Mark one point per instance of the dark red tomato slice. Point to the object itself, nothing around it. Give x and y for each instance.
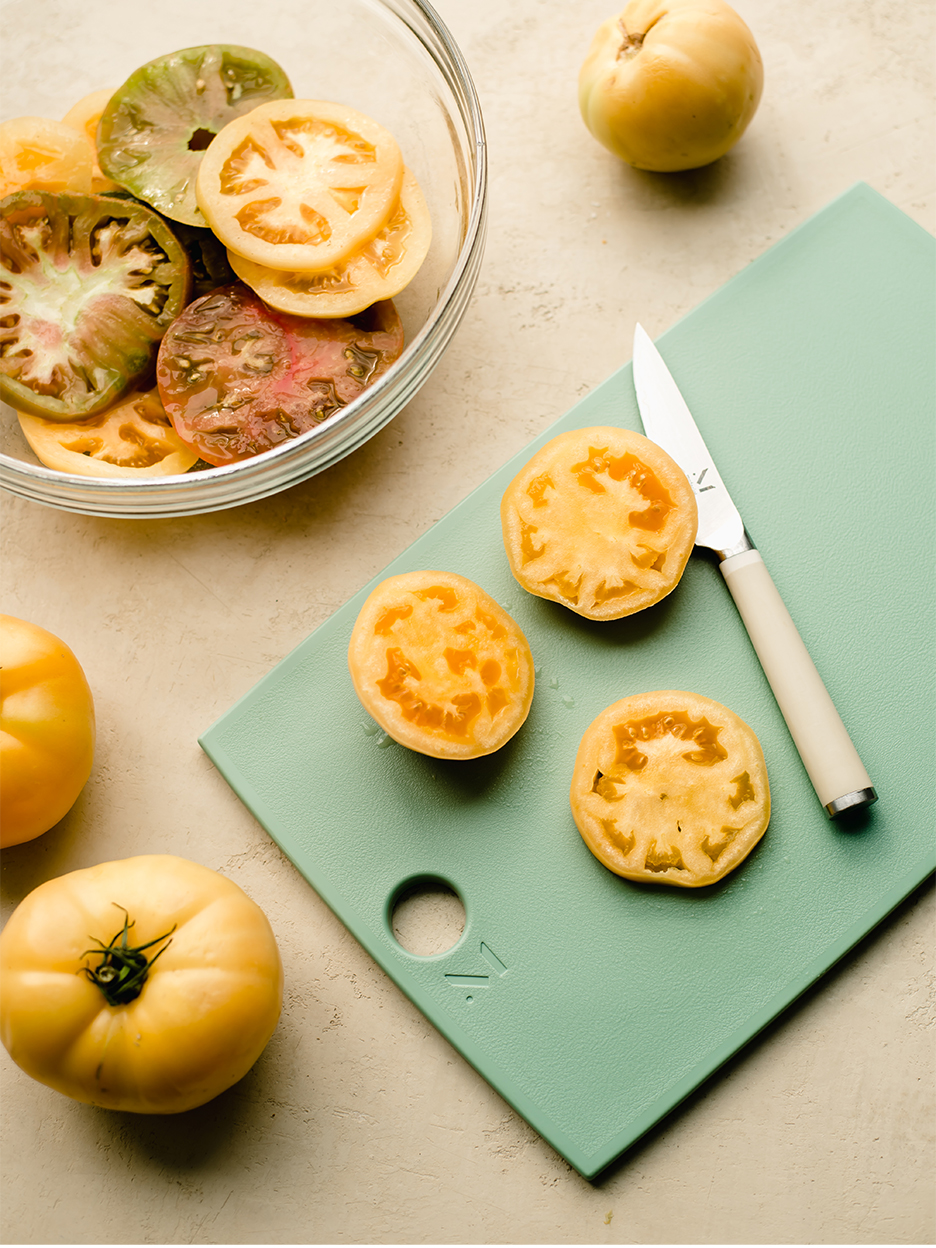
(88, 286)
(237, 378)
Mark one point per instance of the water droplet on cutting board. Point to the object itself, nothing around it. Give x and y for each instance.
(568, 700)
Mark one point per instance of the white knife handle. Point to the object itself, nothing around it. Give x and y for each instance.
(836, 771)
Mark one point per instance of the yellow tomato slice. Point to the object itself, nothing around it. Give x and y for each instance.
(299, 184)
(378, 270)
(440, 666)
(670, 788)
(601, 520)
(37, 154)
(135, 438)
(84, 117)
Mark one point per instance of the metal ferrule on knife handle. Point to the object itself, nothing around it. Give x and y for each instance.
(831, 760)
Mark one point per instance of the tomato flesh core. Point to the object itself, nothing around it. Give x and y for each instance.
(237, 378)
(88, 286)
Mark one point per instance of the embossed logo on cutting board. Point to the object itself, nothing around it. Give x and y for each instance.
(471, 983)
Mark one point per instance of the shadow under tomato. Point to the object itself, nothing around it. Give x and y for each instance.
(627, 631)
(687, 188)
(26, 866)
(471, 779)
(195, 1139)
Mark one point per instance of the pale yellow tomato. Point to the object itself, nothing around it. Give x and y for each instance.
(440, 665)
(37, 154)
(671, 84)
(670, 787)
(377, 270)
(84, 117)
(135, 438)
(601, 520)
(149, 984)
(299, 184)
(47, 730)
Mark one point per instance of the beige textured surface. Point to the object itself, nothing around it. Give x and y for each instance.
(359, 1124)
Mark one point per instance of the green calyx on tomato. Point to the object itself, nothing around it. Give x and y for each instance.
(155, 129)
(124, 968)
(88, 286)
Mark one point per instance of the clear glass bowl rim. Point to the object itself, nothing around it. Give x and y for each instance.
(234, 485)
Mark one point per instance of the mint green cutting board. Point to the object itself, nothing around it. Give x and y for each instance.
(592, 1004)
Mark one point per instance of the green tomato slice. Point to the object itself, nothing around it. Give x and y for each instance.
(88, 286)
(153, 133)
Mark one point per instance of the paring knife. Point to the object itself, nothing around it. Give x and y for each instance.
(830, 758)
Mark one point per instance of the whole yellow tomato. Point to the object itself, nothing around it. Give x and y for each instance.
(149, 984)
(671, 84)
(46, 730)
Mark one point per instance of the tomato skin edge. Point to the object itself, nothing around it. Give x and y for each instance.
(83, 214)
(176, 1046)
(46, 756)
(229, 410)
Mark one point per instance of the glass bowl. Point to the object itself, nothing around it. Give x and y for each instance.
(391, 59)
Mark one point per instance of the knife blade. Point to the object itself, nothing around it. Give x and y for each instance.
(821, 739)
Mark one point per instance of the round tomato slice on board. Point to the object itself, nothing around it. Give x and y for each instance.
(299, 184)
(155, 129)
(378, 270)
(88, 286)
(238, 378)
(133, 439)
(670, 788)
(440, 665)
(601, 520)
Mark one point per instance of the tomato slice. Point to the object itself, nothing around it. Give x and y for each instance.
(88, 286)
(601, 520)
(238, 378)
(440, 665)
(43, 155)
(670, 787)
(135, 438)
(378, 270)
(207, 256)
(299, 184)
(154, 131)
(84, 117)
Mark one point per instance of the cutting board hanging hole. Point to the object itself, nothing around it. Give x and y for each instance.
(427, 916)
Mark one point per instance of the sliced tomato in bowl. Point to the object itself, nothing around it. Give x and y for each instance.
(238, 378)
(379, 269)
(88, 286)
(133, 439)
(38, 154)
(156, 127)
(299, 184)
(84, 117)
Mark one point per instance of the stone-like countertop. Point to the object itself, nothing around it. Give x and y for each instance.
(360, 1124)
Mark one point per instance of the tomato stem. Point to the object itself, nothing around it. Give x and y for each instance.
(630, 44)
(124, 968)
